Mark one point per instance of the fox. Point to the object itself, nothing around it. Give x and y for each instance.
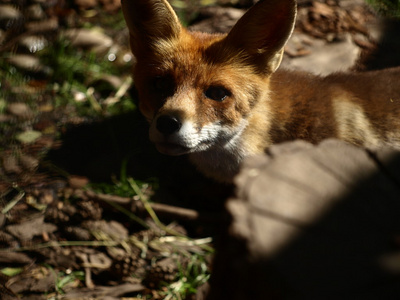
(219, 98)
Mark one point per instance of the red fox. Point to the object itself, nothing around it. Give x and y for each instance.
(220, 98)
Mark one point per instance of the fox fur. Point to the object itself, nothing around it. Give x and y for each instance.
(220, 97)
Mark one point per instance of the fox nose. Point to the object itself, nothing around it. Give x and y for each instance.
(168, 124)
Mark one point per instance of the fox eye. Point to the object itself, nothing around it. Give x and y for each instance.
(162, 83)
(217, 93)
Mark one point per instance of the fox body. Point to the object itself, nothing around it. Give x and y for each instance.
(220, 98)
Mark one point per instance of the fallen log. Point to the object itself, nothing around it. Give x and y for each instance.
(312, 222)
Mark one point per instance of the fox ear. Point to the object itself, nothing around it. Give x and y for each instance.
(150, 22)
(263, 31)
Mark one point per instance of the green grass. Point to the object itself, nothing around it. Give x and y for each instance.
(190, 276)
(69, 89)
(123, 186)
(188, 279)
(74, 88)
(63, 280)
(389, 8)
(74, 73)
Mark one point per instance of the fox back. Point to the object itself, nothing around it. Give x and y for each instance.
(220, 97)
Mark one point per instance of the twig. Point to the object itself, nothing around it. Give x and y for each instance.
(173, 212)
(128, 213)
(147, 205)
(13, 202)
(106, 197)
(92, 100)
(153, 209)
(63, 244)
(120, 93)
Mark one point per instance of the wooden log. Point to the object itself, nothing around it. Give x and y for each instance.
(312, 222)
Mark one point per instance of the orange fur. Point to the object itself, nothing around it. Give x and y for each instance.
(219, 98)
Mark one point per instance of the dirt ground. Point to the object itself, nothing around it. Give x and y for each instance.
(64, 234)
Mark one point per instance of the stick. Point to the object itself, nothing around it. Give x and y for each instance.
(165, 210)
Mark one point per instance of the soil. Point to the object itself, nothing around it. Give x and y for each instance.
(60, 239)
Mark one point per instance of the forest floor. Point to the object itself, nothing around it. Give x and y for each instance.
(88, 208)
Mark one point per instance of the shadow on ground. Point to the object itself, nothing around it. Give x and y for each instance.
(99, 150)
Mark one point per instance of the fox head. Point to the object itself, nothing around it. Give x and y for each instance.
(198, 90)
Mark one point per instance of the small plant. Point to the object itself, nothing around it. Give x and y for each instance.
(122, 186)
(67, 279)
(189, 278)
(73, 73)
(11, 272)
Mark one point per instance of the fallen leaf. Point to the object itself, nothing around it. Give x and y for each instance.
(28, 136)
